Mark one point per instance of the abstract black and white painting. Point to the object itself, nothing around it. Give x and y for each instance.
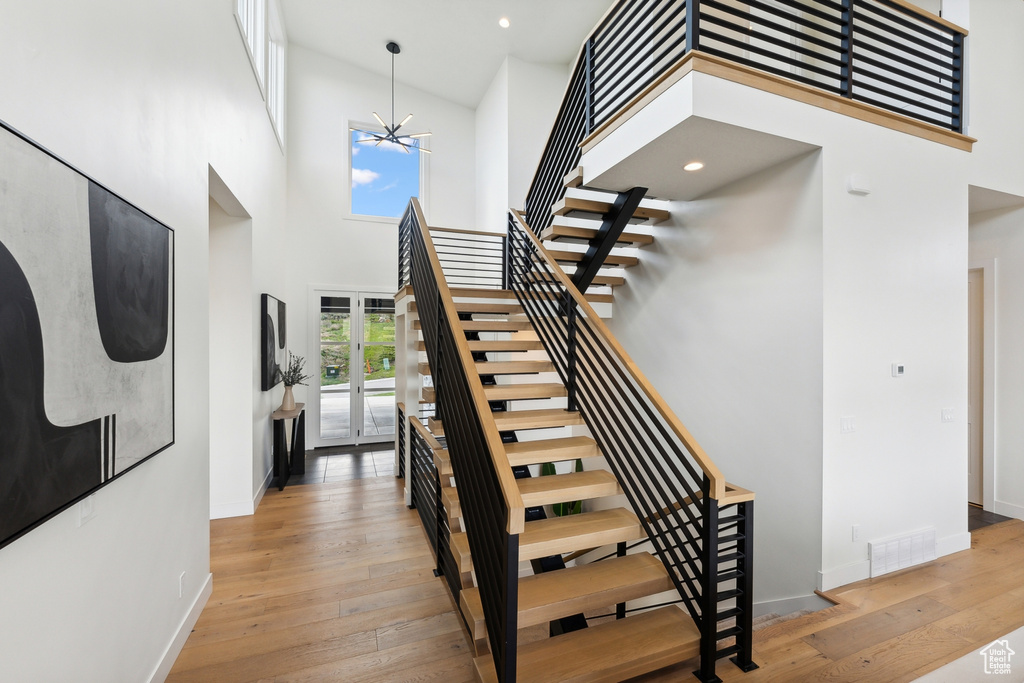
(86, 336)
(273, 341)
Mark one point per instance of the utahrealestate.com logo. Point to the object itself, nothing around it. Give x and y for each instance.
(997, 657)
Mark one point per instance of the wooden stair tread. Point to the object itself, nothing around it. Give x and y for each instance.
(450, 500)
(565, 232)
(609, 280)
(574, 590)
(561, 488)
(443, 463)
(607, 653)
(524, 392)
(536, 419)
(473, 293)
(551, 450)
(567, 205)
(497, 346)
(576, 256)
(514, 367)
(460, 551)
(494, 325)
(557, 535)
(477, 307)
(573, 178)
(512, 420)
(504, 367)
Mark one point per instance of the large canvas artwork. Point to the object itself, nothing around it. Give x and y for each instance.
(273, 341)
(86, 336)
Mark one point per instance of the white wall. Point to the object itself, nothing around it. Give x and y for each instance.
(111, 87)
(492, 154)
(326, 246)
(995, 109)
(232, 360)
(535, 93)
(998, 237)
(513, 121)
(893, 290)
(727, 302)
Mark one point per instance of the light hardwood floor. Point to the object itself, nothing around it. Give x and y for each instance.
(326, 582)
(333, 582)
(897, 627)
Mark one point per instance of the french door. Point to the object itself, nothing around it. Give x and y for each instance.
(353, 399)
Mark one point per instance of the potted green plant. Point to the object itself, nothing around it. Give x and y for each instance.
(291, 376)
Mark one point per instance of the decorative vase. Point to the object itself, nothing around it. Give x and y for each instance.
(288, 403)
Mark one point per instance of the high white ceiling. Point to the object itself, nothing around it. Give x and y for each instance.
(450, 48)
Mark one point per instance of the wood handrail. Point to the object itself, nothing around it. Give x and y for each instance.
(462, 231)
(509, 489)
(431, 440)
(709, 468)
(925, 14)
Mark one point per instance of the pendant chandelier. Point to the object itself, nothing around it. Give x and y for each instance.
(406, 141)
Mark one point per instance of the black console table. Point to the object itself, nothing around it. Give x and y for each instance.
(285, 463)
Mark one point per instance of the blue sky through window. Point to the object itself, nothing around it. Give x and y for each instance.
(384, 177)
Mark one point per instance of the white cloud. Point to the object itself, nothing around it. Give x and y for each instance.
(355, 150)
(363, 176)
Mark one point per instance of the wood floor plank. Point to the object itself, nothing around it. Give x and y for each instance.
(326, 578)
(842, 640)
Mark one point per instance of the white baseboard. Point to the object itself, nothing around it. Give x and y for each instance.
(789, 605)
(953, 544)
(858, 571)
(258, 497)
(242, 508)
(841, 576)
(163, 668)
(224, 510)
(1008, 509)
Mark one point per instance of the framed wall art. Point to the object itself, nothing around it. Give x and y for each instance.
(86, 335)
(273, 341)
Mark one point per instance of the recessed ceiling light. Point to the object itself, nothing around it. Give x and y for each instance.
(693, 166)
(504, 22)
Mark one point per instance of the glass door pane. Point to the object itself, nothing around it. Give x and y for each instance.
(336, 367)
(378, 368)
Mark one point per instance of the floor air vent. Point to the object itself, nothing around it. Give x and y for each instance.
(899, 553)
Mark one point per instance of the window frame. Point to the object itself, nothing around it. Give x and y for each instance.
(424, 164)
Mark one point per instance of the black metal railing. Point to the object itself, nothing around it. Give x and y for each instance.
(468, 258)
(879, 52)
(425, 485)
(400, 421)
(492, 508)
(669, 481)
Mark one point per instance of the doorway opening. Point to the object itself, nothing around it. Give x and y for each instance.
(353, 393)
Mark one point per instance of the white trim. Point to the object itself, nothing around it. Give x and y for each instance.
(988, 418)
(258, 496)
(241, 508)
(170, 655)
(789, 605)
(424, 190)
(842, 576)
(1008, 509)
(858, 571)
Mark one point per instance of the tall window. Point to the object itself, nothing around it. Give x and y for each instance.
(265, 39)
(384, 176)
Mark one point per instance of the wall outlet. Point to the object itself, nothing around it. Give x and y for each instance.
(847, 425)
(181, 585)
(898, 369)
(855, 536)
(947, 414)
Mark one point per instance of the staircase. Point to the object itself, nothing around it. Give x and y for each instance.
(521, 410)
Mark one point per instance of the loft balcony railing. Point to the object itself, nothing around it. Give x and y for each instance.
(884, 53)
